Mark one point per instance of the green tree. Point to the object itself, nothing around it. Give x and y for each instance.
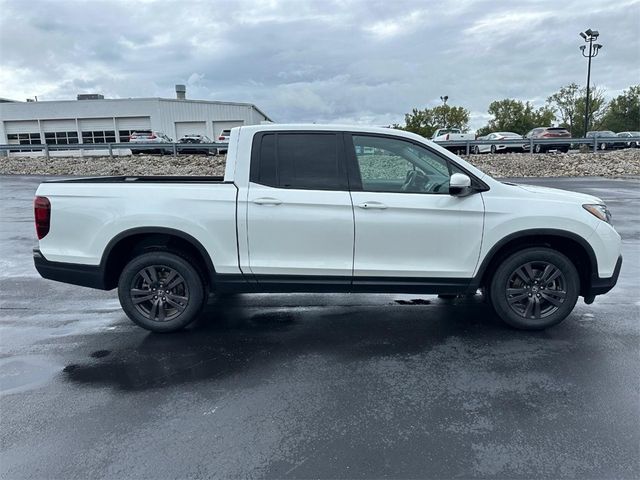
(597, 110)
(623, 113)
(565, 102)
(426, 122)
(510, 115)
(570, 103)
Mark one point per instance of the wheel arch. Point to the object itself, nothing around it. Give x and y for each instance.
(576, 248)
(124, 246)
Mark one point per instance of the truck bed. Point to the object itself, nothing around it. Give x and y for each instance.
(143, 179)
(88, 213)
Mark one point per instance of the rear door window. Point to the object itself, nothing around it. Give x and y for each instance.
(299, 161)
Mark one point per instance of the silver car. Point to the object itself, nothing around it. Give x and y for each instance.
(625, 141)
(510, 147)
(149, 136)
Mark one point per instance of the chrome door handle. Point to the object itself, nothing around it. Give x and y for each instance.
(267, 201)
(372, 206)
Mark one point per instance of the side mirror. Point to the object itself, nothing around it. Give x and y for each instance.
(459, 185)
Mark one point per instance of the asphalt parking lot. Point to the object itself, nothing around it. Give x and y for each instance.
(324, 386)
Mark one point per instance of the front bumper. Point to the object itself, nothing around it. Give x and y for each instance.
(73, 273)
(600, 286)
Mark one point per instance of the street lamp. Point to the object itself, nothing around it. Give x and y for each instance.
(589, 36)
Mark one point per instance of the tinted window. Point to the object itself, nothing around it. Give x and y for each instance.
(268, 169)
(300, 160)
(395, 165)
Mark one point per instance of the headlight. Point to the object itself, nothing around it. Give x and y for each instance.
(598, 210)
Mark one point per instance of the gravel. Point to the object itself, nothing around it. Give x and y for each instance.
(615, 163)
(605, 164)
(205, 165)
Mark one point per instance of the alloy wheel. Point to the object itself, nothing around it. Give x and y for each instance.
(159, 293)
(536, 289)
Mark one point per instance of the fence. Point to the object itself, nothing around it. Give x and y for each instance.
(170, 148)
(464, 145)
(529, 143)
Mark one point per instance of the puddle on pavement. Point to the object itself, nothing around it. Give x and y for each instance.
(100, 353)
(20, 374)
(415, 301)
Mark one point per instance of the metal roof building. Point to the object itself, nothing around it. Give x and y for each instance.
(99, 120)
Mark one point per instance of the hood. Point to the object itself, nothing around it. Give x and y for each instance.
(557, 194)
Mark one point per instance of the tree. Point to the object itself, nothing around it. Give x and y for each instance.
(566, 102)
(426, 122)
(510, 115)
(597, 109)
(623, 113)
(570, 103)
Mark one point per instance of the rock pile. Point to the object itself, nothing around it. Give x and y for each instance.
(118, 165)
(607, 164)
(602, 164)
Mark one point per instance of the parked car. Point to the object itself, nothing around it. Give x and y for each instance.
(149, 136)
(224, 138)
(605, 139)
(510, 147)
(624, 142)
(196, 139)
(448, 134)
(299, 210)
(548, 133)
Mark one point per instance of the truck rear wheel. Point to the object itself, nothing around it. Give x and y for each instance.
(161, 291)
(535, 288)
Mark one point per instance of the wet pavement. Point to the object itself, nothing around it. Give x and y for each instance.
(324, 386)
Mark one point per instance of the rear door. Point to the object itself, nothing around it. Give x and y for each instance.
(408, 227)
(299, 211)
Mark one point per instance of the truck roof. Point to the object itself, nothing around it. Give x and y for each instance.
(329, 127)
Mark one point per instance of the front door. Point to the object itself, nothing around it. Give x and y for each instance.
(407, 224)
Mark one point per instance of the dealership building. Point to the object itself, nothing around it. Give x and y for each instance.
(94, 119)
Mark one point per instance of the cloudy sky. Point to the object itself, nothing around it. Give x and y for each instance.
(347, 61)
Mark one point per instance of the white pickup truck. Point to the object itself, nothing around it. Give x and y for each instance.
(448, 134)
(332, 209)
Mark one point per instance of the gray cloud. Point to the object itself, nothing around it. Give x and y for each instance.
(366, 61)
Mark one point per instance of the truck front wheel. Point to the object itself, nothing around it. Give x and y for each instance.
(534, 288)
(161, 291)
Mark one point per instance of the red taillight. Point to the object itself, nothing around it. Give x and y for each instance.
(153, 136)
(221, 138)
(42, 214)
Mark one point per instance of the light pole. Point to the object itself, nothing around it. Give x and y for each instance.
(589, 36)
(445, 116)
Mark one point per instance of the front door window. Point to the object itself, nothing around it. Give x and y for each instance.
(394, 165)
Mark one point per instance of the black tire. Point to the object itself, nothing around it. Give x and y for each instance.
(537, 148)
(476, 150)
(141, 286)
(493, 149)
(135, 152)
(522, 297)
(603, 146)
